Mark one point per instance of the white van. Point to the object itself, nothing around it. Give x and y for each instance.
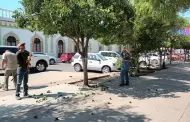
(40, 63)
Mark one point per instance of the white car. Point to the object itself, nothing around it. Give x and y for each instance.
(40, 63)
(152, 59)
(110, 55)
(96, 62)
(52, 59)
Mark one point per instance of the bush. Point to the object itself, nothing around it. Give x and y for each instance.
(118, 63)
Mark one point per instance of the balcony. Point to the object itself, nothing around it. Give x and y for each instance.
(6, 15)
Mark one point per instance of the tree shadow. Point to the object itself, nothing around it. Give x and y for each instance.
(67, 110)
(164, 83)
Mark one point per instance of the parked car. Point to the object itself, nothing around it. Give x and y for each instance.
(52, 59)
(110, 55)
(152, 59)
(67, 57)
(40, 63)
(96, 62)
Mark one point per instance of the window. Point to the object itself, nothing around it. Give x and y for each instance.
(92, 57)
(76, 56)
(3, 49)
(113, 55)
(37, 45)
(104, 53)
(109, 54)
(11, 41)
(60, 46)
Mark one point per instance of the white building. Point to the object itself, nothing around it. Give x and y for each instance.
(55, 45)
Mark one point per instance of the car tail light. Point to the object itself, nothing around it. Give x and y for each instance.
(72, 60)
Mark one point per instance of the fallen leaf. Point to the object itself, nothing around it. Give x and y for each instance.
(48, 91)
(70, 76)
(92, 113)
(110, 98)
(130, 102)
(109, 103)
(41, 94)
(93, 100)
(35, 117)
(56, 118)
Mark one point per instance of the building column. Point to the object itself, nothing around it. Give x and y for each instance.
(46, 44)
(52, 45)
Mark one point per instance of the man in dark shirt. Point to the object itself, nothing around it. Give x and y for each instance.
(126, 59)
(22, 71)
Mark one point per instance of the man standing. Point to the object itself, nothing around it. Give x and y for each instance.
(10, 60)
(22, 71)
(126, 59)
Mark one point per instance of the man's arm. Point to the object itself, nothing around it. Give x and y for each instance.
(18, 57)
(4, 61)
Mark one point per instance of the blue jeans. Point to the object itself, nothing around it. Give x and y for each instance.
(124, 72)
(22, 74)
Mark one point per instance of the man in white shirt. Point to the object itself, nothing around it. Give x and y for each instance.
(9, 64)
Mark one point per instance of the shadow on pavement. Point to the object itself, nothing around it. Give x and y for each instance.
(67, 110)
(164, 83)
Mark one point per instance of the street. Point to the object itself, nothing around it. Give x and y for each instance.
(63, 67)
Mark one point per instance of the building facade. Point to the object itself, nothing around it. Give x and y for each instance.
(54, 45)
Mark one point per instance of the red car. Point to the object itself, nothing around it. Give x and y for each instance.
(67, 57)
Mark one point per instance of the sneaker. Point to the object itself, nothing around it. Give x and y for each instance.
(127, 84)
(18, 98)
(121, 84)
(27, 96)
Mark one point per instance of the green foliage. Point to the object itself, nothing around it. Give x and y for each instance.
(119, 63)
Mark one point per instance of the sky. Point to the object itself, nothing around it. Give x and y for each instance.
(10, 4)
(14, 4)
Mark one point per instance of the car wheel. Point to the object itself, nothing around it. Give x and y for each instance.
(51, 61)
(41, 66)
(142, 64)
(106, 69)
(77, 67)
(154, 62)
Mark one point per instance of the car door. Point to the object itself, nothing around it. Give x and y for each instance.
(93, 62)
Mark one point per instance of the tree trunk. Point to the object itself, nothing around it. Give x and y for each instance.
(185, 55)
(164, 63)
(171, 53)
(85, 71)
(160, 54)
(188, 54)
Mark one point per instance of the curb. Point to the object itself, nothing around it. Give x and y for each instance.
(92, 78)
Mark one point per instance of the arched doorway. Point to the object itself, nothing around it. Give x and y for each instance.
(37, 45)
(61, 48)
(11, 41)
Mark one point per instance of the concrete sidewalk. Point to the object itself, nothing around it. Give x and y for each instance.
(44, 79)
(160, 97)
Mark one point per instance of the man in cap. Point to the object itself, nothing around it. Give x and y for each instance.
(9, 63)
(126, 59)
(22, 71)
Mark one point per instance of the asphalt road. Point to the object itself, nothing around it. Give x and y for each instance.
(63, 67)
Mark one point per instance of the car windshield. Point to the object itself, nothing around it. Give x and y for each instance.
(101, 57)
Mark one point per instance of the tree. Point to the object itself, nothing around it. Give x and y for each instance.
(79, 20)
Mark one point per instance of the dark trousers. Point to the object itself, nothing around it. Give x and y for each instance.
(22, 74)
(124, 73)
